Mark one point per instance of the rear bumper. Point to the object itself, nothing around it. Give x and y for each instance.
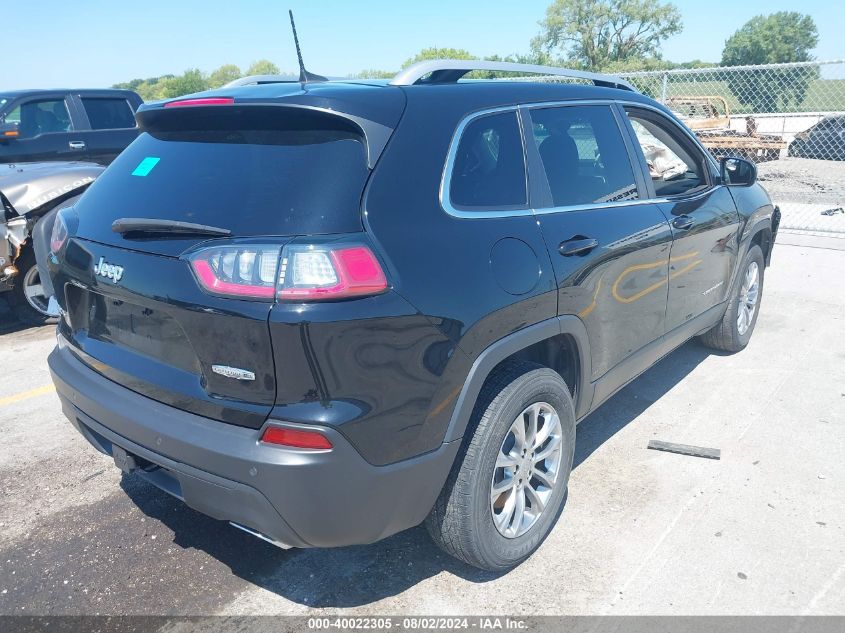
(299, 498)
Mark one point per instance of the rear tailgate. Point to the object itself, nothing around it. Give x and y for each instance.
(155, 332)
(135, 311)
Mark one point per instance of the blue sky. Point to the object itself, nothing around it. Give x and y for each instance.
(92, 43)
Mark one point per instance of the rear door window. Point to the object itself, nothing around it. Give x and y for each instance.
(108, 114)
(584, 155)
(488, 169)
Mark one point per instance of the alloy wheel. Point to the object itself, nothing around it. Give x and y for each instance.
(33, 292)
(748, 298)
(526, 471)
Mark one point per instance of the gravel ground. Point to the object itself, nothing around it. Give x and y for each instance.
(804, 180)
(804, 188)
(762, 531)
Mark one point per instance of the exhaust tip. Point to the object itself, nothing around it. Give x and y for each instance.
(260, 535)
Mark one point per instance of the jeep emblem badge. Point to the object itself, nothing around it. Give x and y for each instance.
(109, 271)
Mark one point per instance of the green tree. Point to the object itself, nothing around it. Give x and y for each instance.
(147, 89)
(435, 52)
(593, 34)
(653, 63)
(374, 74)
(223, 75)
(535, 58)
(786, 36)
(263, 67)
(188, 82)
(129, 85)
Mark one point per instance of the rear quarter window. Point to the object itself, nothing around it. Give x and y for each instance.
(488, 167)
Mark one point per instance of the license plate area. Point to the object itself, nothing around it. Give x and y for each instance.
(140, 328)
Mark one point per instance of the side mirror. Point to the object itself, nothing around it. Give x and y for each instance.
(8, 131)
(738, 172)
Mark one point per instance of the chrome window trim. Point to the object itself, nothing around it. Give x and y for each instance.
(446, 178)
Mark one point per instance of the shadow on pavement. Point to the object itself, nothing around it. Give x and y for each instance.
(8, 321)
(355, 576)
(339, 577)
(631, 401)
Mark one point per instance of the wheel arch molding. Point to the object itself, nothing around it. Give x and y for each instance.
(762, 232)
(512, 345)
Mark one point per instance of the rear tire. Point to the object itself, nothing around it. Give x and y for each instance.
(734, 331)
(471, 519)
(30, 306)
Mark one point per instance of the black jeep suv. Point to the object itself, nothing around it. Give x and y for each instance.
(327, 312)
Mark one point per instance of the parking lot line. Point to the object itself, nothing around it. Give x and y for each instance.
(26, 395)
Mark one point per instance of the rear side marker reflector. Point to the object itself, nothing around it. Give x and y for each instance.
(203, 101)
(295, 438)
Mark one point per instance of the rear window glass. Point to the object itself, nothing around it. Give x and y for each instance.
(488, 172)
(108, 114)
(267, 182)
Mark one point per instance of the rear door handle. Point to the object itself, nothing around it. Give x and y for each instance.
(683, 222)
(577, 245)
(76, 144)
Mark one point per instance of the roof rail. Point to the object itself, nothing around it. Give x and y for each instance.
(450, 70)
(254, 80)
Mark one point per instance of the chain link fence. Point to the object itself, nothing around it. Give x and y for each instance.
(759, 112)
(787, 118)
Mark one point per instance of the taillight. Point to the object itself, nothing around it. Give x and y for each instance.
(326, 272)
(295, 438)
(301, 272)
(66, 220)
(200, 101)
(237, 271)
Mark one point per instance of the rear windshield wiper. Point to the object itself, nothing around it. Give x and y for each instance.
(149, 226)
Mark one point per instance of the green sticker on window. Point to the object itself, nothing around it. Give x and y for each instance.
(146, 166)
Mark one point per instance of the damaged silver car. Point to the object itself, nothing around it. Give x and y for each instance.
(30, 195)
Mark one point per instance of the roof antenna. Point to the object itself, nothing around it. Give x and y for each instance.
(304, 75)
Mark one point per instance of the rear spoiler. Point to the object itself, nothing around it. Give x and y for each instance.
(225, 113)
